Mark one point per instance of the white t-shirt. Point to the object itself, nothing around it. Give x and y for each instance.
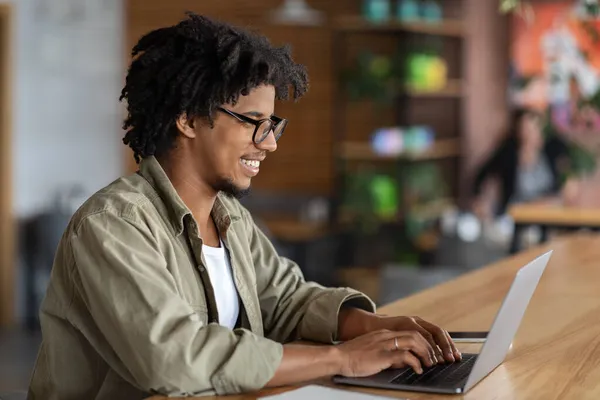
(221, 277)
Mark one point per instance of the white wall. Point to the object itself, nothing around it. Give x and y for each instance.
(68, 74)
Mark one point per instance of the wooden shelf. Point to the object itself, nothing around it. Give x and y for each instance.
(431, 210)
(362, 151)
(454, 88)
(448, 27)
(292, 230)
(347, 217)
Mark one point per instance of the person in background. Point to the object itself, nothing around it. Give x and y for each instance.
(527, 166)
(163, 284)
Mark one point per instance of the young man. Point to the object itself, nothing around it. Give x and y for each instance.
(163, 284)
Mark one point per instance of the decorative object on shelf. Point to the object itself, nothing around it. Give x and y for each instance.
(385, 196)
(394, 141)
(297, 12)
(376, 11)
(388, 141)
(368, 199)
(426, 72)
(381, 78)
(374, 77)
(424, 192)
(418, 138)
(423, 184)
(407, 10)
(431, 11)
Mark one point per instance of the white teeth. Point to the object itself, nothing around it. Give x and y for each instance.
(251, 163)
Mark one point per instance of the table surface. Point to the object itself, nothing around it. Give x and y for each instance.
(556, 353)
(555, 212)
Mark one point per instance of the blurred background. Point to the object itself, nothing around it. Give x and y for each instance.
(398, 170)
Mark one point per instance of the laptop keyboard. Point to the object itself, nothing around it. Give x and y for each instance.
(442, 375)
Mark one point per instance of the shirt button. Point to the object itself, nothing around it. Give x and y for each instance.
(201, 268)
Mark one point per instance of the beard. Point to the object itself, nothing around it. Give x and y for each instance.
(227, 187)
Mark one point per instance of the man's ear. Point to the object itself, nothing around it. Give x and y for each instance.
(186, 126)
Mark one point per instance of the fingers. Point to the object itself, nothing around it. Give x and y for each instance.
(435, 350)
(410, 340)
(414, 341)
(455, 351)
(404, 358)
(442, 339)
(385, 335)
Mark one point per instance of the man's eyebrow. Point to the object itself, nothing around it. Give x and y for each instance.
(255, 114)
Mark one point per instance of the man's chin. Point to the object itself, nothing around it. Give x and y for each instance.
(237, 192)
(229, 188)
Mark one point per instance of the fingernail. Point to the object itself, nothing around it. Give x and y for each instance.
(451, 357)
(419, 371)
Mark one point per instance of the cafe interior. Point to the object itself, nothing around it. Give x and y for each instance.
(395, 177)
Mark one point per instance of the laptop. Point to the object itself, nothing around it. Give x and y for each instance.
(459, 377)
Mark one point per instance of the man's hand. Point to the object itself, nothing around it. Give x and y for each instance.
(354, 322)
(364, 355)
(438, 338)
(371, 353)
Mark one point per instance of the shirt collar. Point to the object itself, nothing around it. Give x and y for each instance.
(222, 214)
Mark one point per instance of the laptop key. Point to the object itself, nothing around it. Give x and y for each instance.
(411, 377)
(433, 373)
(439, 375)
(456, 375)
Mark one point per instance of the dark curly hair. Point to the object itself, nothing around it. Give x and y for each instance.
(193, 68)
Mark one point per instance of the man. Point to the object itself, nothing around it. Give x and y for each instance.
(163, 284)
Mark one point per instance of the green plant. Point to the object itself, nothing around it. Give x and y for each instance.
(582, 160)
(592, 7)
(360, 201)
(420, 188)
(424, 186)
(374, 77)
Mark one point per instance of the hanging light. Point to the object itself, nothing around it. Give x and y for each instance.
(296, 12)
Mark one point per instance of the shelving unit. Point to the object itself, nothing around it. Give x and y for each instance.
(454, 89)
(352, 151)
(448, 27)
(360, 151)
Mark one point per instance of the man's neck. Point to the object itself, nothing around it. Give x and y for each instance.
(196, 194)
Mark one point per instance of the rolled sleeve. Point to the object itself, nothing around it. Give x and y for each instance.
(236, 376)
(320, 322)
(292, 308)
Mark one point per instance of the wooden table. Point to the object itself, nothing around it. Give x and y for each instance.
(552, 214)
(556, 353)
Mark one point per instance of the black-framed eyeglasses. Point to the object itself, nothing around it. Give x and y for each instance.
(262, 127)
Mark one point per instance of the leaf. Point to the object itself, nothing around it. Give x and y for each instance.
(507, 6)
(592, 8)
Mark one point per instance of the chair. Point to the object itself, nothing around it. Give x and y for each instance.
(13, 395)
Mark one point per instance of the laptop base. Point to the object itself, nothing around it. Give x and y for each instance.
(444, 378)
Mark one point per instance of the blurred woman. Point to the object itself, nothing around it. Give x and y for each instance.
(527, 165)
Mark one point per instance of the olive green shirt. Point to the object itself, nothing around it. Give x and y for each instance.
(130, 310)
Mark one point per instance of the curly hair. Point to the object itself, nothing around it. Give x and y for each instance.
(192, 68)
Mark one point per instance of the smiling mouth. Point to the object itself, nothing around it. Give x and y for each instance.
(251, 163)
